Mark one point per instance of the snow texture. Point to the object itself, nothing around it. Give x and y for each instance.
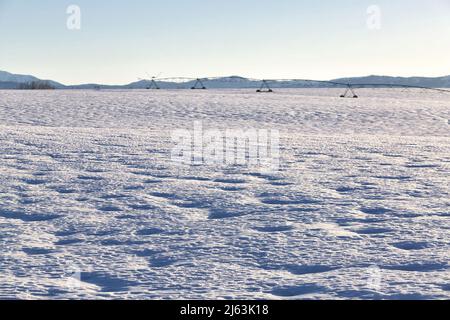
(91, 205)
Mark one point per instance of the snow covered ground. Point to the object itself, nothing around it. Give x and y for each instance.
(91, 205)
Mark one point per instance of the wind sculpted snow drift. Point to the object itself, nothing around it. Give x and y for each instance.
(91, 205)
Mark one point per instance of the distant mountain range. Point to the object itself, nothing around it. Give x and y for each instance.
(16, 81)
(13, 81)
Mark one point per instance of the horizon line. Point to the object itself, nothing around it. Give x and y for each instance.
(188, 79)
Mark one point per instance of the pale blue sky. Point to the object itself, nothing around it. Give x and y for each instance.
(121, 40)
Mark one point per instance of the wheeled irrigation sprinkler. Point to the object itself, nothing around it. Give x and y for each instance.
(198, 85)
(265, 84)
(153, 85)
(264, 87)
(349, 89)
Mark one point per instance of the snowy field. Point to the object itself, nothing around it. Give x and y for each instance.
(91, 205)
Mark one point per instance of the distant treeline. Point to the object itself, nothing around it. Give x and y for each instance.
(36, 85)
